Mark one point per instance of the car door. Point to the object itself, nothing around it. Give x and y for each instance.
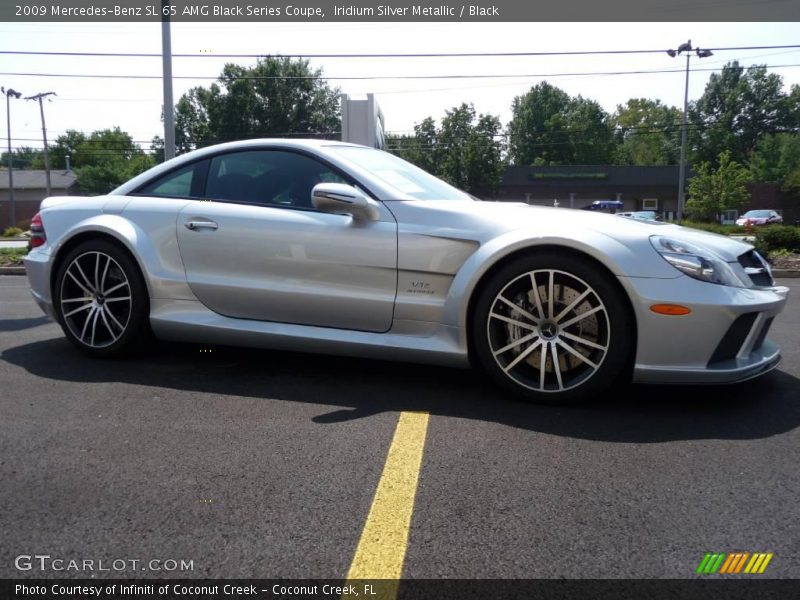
(255, 248)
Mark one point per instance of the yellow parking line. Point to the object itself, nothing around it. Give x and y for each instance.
(382, 548)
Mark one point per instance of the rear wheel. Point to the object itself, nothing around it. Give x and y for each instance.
(552, 327)
(101, 299)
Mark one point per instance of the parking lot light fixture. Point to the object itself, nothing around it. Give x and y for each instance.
(686, 48)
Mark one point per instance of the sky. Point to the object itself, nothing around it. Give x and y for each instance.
(135, 105)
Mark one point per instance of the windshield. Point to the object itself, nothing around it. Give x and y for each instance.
(410, 182)
(756, 213)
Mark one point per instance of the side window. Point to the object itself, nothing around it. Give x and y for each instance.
(269, 177)
(185, 182)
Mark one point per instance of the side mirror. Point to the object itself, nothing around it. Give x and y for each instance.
(342, 199)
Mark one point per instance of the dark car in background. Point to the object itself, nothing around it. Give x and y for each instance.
(607, 206)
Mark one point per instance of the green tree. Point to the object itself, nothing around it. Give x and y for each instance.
(422, 148)
(715, 190)
(24, 157)
(549, 126)
(102, 160)
(777, 159)
(278, 96)
(793, 108)
(65, 145)
(738, 106)
(470, 151)
(466, 150)
(648, 133)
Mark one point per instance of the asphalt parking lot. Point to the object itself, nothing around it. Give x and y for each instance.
(264, 464)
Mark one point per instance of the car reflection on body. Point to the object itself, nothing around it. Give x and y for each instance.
(641, 215)
(759, 217)
(322, 246)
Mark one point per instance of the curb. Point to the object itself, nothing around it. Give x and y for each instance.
(776, 273)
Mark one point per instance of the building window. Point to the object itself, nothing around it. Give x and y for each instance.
(650, 204)
(729, 217)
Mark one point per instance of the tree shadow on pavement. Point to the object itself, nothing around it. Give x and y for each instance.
(358, 388)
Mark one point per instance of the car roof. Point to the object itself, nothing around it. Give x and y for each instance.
(309, 144)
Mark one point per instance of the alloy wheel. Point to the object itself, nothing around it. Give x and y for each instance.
(95, 299)
(548, 330)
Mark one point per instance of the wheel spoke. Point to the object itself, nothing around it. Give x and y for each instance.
(542, 365)
(94, 325)
(572, 305)
(116, 287)
(556, 366)
(550, 294)
(581, 316)
(77, 265)
(79, 309)
(519, 309)
(86, 322)
(78, 283)
(97, 273)
(516, 343)
(103, 278)
(580, 340)
(108, 327)
(576, 354)
(118, 299)
(116, 322)
(536, 297)
(522, 356)
(81, 299)
(512, 321)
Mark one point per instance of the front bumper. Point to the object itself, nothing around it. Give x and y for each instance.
(722, 340)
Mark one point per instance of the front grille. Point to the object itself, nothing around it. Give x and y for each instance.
(756, 268)
(733, 339)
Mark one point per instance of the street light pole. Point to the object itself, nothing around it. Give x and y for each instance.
(687, 47)
(12, 217)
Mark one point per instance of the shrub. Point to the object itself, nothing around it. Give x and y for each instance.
(778, 237)
(714, 227)
(12, 232)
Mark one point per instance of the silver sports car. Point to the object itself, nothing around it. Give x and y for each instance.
(329, 247)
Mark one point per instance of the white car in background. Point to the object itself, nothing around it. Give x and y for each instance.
(759, 217)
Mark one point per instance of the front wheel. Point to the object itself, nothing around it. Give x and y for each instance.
(552, 327)
(101, 299)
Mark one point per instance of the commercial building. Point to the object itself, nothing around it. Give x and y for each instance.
(638, 188)
(30, 188)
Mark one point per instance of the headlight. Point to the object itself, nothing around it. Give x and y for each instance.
(696, 261)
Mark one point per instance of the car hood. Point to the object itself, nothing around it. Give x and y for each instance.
(501, 217)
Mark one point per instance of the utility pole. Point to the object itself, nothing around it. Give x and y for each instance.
(40, 97)
(9, 93)
(169, 105)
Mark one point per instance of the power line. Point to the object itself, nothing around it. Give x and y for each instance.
(382, 77)
(385, 55)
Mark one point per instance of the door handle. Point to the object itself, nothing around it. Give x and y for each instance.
(195, 225)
